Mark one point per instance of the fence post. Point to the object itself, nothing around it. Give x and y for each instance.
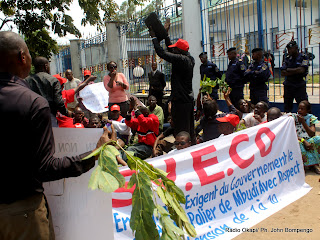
(191, 22)
(113, 44)
(75, 58)
(260, 23)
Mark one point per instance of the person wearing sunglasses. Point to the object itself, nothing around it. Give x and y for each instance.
(116, 84)
(182, 141)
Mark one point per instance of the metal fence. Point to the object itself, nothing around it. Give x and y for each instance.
(137, 49)
(269, 24)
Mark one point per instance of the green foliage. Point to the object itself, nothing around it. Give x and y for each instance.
(127, 10)
(207, 84)
(144, 204)
(34, 19)
(39, 42)
(106, 176)
(223, 85)
(240, 127)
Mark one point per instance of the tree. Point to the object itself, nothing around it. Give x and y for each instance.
(34, 19)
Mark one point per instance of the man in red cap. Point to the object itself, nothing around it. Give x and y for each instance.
(181, 81)
(86, 74)
(123, 131)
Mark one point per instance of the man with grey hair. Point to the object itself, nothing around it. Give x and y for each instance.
(27, 149)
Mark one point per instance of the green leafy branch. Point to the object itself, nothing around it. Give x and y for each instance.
(223, 85)
(207, 84)
(148, 182)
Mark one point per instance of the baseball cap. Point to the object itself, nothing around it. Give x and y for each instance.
(61, 79)
(181, 44)
(78, 125)
(86, 73)
(230, 118)
(115, 107)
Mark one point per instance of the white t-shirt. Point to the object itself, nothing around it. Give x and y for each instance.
(250, 121)
(72, 85)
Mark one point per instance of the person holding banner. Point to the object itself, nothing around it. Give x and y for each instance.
(116, 84)
(182, 141)
(257, 116)
(29, 150)
(306, 131)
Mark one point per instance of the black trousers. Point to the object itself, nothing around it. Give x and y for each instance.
(290, 93)
(183, 118)
(214, 95)
(235, 95)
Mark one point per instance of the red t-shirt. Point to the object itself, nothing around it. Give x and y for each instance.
(64, 121)
(68, 96)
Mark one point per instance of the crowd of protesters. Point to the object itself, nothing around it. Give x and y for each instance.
(152, 130)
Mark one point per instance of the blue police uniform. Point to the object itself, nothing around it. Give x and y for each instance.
(295, 86)
(235, 79)
(211, 71)
(257, 86)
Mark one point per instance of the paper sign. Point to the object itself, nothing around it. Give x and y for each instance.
(95, 97)
(78, 212)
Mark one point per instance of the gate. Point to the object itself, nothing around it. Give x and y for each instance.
(137, 51)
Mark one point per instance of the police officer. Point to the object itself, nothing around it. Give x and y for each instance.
(295, 70)
(211, 71)
(234, 76)
(258, 74)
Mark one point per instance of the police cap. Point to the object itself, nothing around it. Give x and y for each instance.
(231, 49)
(292, 44)
(203, 53)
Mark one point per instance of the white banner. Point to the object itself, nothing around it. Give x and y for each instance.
(230, 183)
(95, 97)
(78, 212)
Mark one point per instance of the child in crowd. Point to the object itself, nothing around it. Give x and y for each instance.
(306, 130)
(273, 113)
(182, 141)
(209, 123)
(258, 116)
(245, 107)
